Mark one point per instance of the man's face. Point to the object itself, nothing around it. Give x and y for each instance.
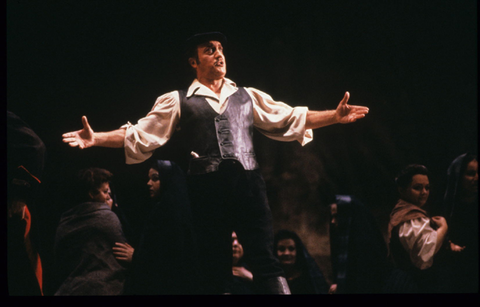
(211, 63)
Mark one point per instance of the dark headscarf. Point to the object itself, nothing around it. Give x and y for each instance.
(462, 217)
(164, 260)
(454, 173)
(304, 261)
(359, 252)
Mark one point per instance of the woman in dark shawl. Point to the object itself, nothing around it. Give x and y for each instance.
(358, 249)
(414, 237)
(461, 212)
(242, 278)
(164, 260)
(84, 239)
(301, 271)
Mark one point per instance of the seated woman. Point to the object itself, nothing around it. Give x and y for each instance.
(85, 237)
(461, 212)
(414, 237)
(302, 273)
(164, 261)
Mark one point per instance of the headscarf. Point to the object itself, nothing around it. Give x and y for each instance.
(304, 261)
(164, 261)
(359, 256)
(454, 173)
(462, 218)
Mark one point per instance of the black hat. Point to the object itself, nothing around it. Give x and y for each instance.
(200, 38)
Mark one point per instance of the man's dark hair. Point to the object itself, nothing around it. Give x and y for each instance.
(191, 52)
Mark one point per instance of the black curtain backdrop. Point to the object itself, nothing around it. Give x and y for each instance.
(413, 63)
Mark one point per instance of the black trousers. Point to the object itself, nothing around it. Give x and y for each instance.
(232, 199)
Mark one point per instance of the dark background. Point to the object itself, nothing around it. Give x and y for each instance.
(413, 63)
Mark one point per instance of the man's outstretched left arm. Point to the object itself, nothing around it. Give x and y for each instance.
(344, 114)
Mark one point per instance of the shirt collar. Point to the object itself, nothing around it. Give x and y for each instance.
(196, 88)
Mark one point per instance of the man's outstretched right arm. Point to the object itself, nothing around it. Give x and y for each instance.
(86, 137)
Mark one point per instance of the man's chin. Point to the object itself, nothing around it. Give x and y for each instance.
(220, 74)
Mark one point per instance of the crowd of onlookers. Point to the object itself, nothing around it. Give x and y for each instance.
(423, 253)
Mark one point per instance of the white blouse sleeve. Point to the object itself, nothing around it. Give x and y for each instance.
(153, 130)
(278, 120)
(419, 239)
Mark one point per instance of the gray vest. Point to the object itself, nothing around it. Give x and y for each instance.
(217, 137)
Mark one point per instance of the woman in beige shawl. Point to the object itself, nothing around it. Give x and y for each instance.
(414, 237)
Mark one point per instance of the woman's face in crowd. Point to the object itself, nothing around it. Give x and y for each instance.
(110, 202)
(153, 183)
(237, 248)
(102, 195)
(286, 251)
(470, 178)
(417, 191)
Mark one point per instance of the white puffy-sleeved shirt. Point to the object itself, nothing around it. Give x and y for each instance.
(419, 239)
(274, 119)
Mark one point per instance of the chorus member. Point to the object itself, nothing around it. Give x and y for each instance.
(302, 273)
(414, 236)
(461, 212)
(165, 261)
(84, 239)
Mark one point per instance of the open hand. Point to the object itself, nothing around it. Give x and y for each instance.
(83, 138)
(346, 113)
